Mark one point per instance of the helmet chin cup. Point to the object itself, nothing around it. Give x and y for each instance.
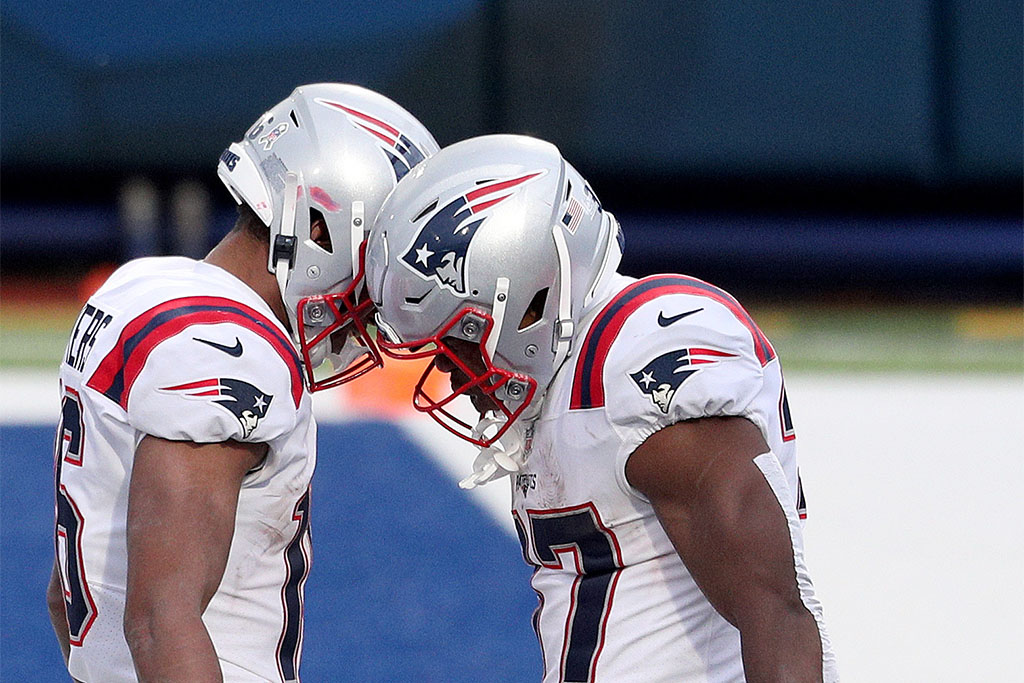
(504, 451)
(507, 393)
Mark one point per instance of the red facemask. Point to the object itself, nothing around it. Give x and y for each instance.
(494, 389)
(346, 333)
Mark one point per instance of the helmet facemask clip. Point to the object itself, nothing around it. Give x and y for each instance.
(284, 250)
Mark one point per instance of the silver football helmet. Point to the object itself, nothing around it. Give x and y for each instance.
(496, 245)
(328, 155)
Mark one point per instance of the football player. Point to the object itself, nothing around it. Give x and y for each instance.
(186, 442)
(643, 423)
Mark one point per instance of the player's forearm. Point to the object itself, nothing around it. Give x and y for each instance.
(781, 644)
(172, 649)
(58, 618)
(60, 628)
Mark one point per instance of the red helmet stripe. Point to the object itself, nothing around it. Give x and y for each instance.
(361, 115)
(488, 189)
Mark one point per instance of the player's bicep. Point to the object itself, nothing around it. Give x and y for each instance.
(720, 513)
(181, 512)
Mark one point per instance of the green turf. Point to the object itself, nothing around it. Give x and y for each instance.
(33, 340)
(807, 338)
(909, 340)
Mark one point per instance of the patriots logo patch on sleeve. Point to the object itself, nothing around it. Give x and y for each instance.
(245, 401)
(659, 379)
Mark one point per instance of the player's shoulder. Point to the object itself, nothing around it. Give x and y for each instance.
(172, 318)
(663, 328)
(144, 282)
(155, 291)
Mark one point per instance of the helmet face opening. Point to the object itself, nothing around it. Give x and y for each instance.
(459, 350)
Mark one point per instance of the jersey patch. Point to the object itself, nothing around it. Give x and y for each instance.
(659, 379)
(588, 379)
(245, 401)
(119, 369)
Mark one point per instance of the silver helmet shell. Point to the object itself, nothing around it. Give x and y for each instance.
(328, 150)
(504, 228)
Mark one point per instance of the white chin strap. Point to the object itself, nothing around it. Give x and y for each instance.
(502, 458)
(564, 327)
(281, 261)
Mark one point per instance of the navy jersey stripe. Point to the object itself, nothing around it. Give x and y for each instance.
(117, 371)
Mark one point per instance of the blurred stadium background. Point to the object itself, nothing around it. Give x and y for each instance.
(851, 171)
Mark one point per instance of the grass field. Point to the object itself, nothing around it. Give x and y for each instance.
(811, 338)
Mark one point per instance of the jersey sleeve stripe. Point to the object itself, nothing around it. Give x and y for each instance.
(588, 388)
(119, 369)
(588, 381)
(762, 347)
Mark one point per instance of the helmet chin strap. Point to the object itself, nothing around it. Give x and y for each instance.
(282, 252)
(564, 326)
(504, 457)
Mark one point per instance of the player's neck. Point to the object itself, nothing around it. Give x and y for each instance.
(245, 257)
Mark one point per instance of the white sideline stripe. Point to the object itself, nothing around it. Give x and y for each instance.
(913, 537)
(455, 457)
(31, 397)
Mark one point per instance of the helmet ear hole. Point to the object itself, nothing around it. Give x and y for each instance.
(318, 231)
(535, 311)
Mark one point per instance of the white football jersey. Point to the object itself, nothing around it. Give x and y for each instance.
(616, 601)
(183, 350)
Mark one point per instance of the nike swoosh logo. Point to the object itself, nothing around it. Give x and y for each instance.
(235, 350)
(665, 322)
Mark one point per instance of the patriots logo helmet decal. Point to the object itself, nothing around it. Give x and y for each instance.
(245, 401)
(439, 250)
(399, 149)
(659, 379)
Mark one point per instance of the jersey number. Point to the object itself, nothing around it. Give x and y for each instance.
(296, 557)
(78, 603)
(578, 536)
